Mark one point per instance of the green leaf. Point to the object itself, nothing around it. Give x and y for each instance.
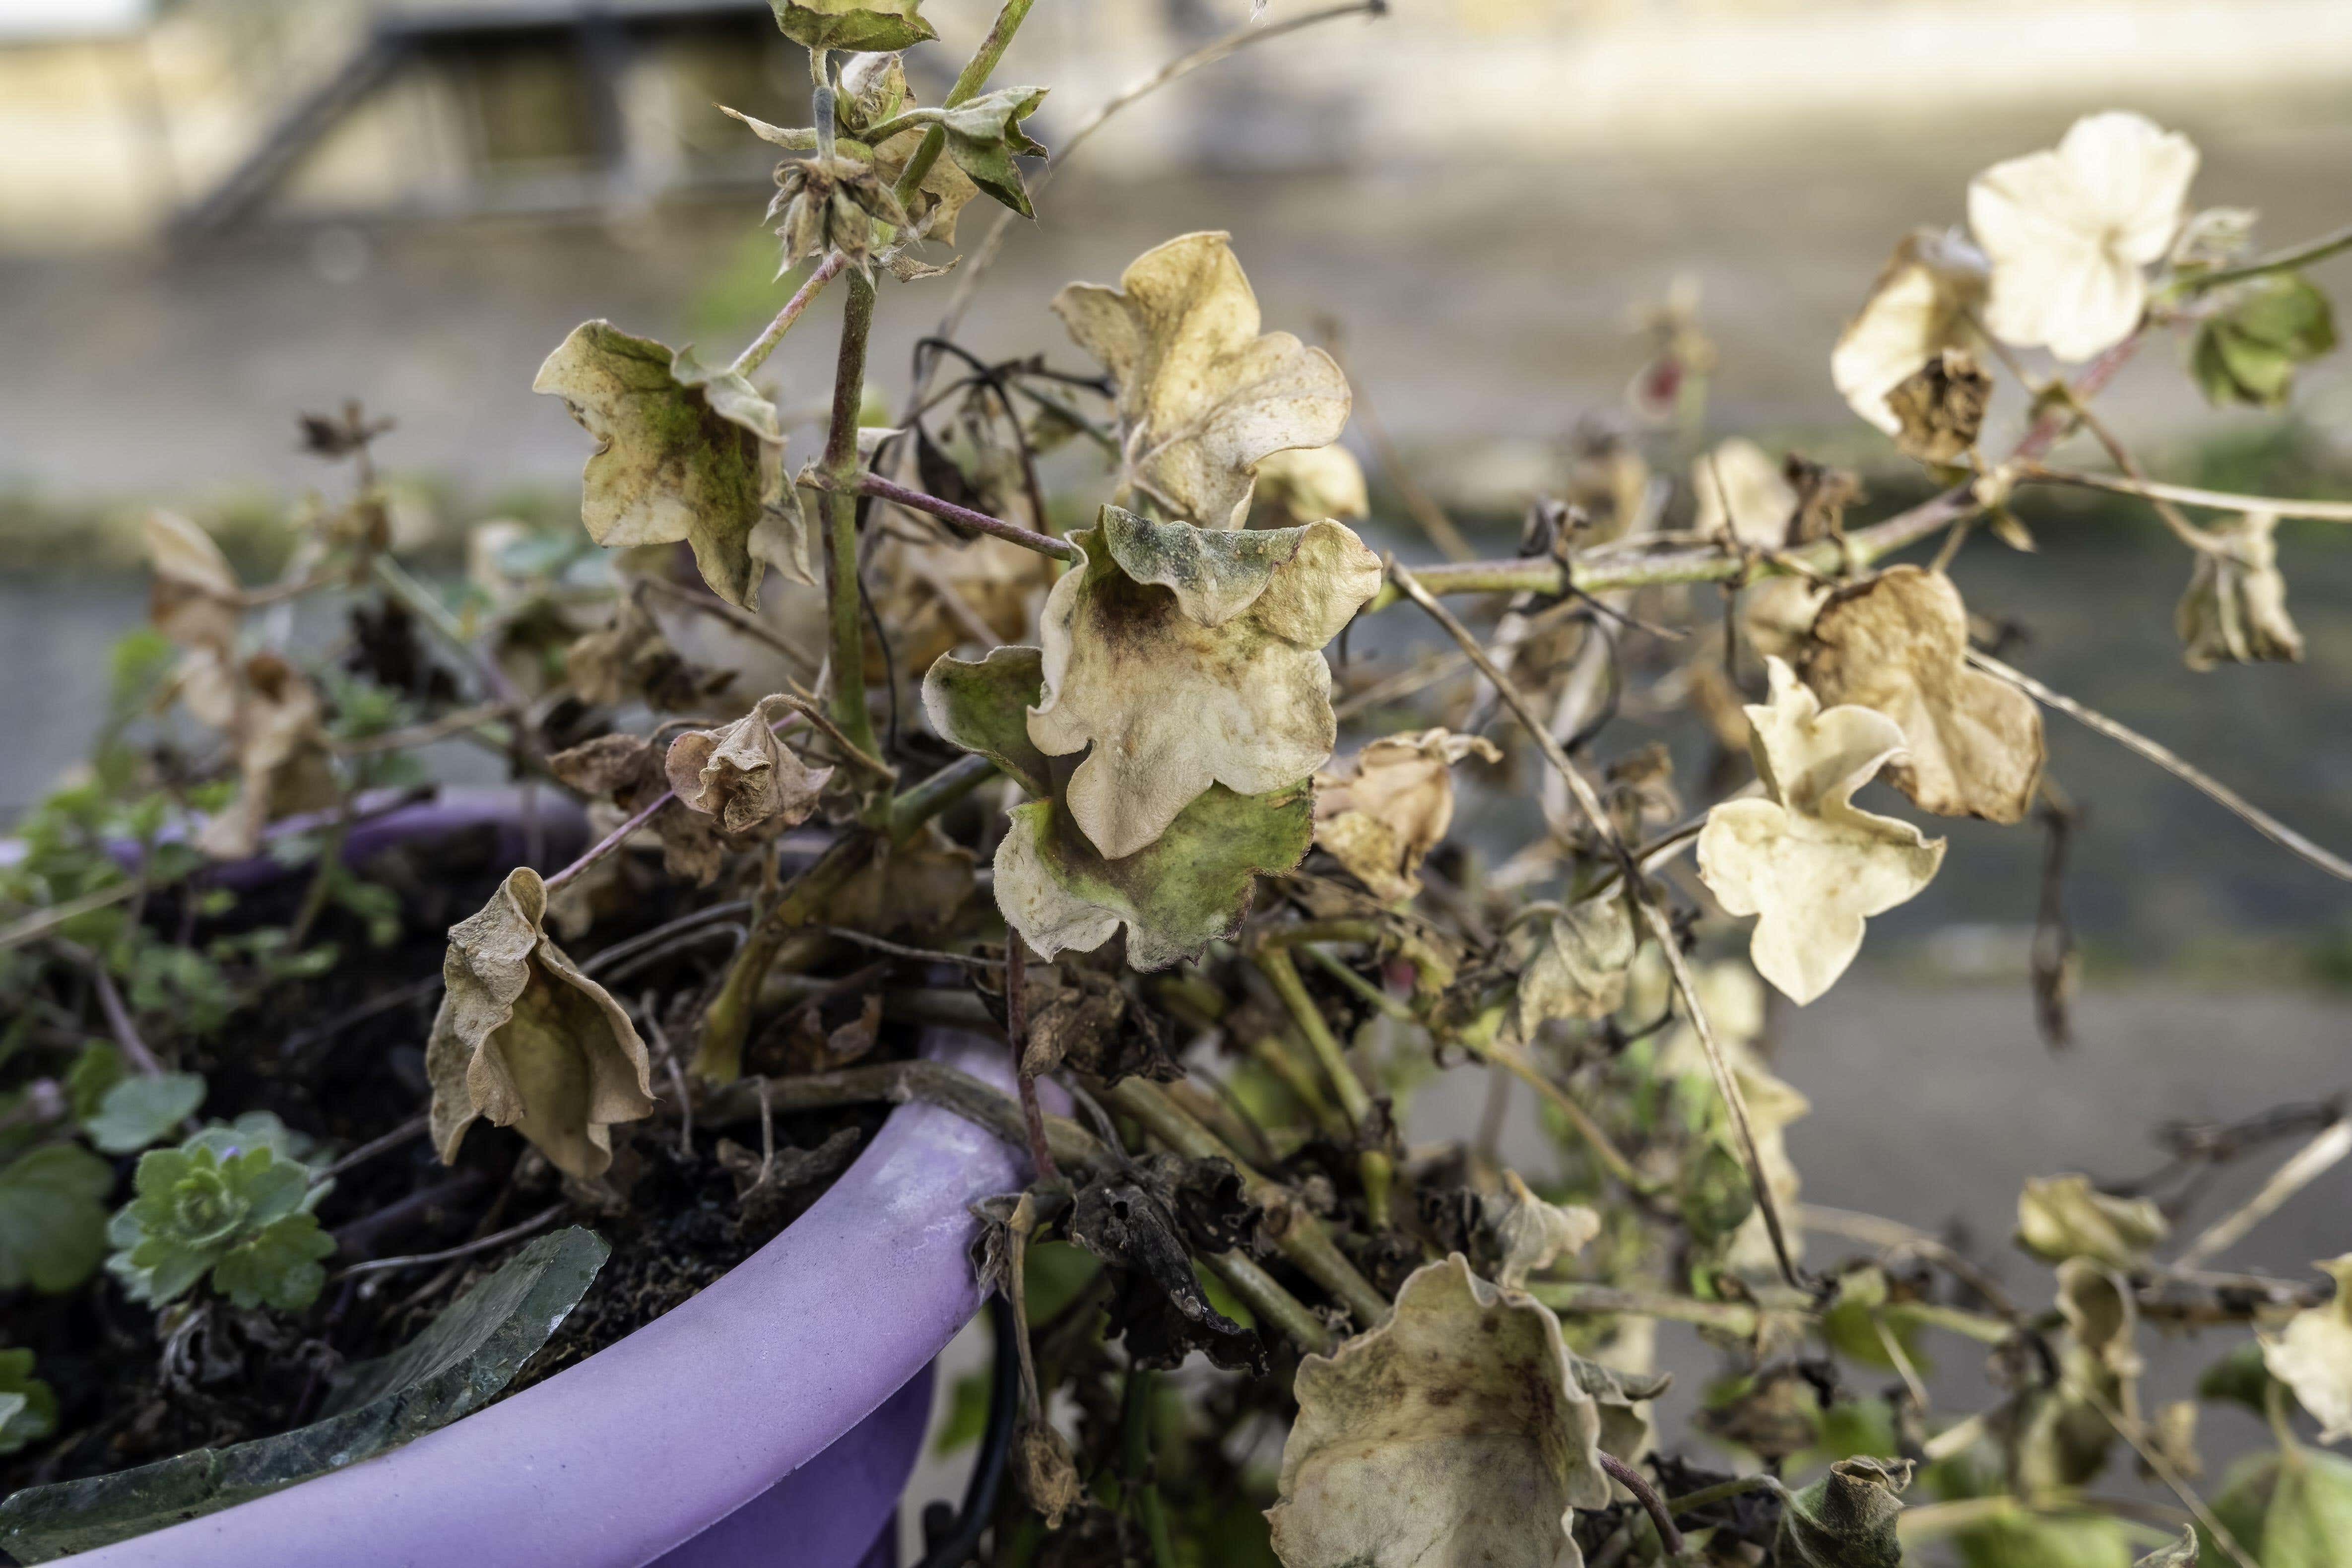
(1185, 889)
(470, 1353)
(2292, 1508)
(1846, 1519)
(28, 1411)
(53, 1217)
(140, 1110)
(985, 135)
(98, 1070)
(2018, 1539)
(278, 1268)
(2238, 1378)
(873, 26)
(1715, 1194)
(2248, 351)
(967, 1415)
(984, 707)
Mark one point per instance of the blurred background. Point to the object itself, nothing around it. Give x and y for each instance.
(217, 213)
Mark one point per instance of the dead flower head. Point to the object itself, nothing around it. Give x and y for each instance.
(744, 774)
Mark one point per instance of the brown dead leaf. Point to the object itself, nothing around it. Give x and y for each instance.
(1382, 816)
(525, 1039)
(2235, 609)
(276, 725)
(1898, 644)
(744, 774)
(194, 597)
(1940, 408)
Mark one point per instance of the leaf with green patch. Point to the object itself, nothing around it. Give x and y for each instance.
(684, 452)
(469, 1354)
(985, 135)
(2248, 351)
(1846, 1519)
(984, 708)
(876, 26)
(53, 1217)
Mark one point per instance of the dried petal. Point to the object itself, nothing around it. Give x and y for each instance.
(1897, 643)
(2069, 231)
(2235, 608)
(1808, 863)
(2313, 1355)
(1918, 308)
(1450, 1437)
(744, 774)
(1383, 816)
(1185, 657)
(1202, 397)
(527, 1040)
(685, 451)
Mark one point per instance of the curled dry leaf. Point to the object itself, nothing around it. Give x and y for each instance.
(1743, 491)
(913, 890)
(1846, 1519)
(1623, 1399)
(1308, 484)
(1185, 657)
(1897, 643)
(1044, 1471)
(2065, 1439)
(1575, 963)
(628, 769)
(868, 24)
(1918, 308)
(2060, 1217)
(1531, 1234)
(1806, 861)
(275, 722)
(685, 451)
(1132, 1222)
(631, 657)
(1202, 397)
(1452, 1435)
(2313, 1355)
(194, 598)
(2181, 1553)
(2235, 609)
(2070, 230)
(1940, 408)
(525, 1039)
(744, 774)
(1383, 816)
(1778, 612)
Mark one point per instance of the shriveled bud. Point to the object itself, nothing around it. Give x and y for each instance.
(1043, 1469)
(2235, 609)
(839, 202)
(743, 775)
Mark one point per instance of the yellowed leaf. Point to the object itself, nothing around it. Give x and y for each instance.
(2313, 1355)
(1919, 306)
(1384, 814)
(2235, 609)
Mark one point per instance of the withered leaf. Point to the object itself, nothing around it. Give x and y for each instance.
(1846, 1520)
(1898, 644)
(194, 598)
(1940, 408)
(1202, 397)
(1806, 861)
(1307, 484)
(276, 723)
(865, 25)
(1573, 964)
(525, 1039)
(2059, 1217)
(744, 774)
(1452, 1435)
(1529, 1234)
(1082, 1018)
(1127, 1222)
(629, 769)
(630, 657)
(1185, 657)
(2235, 609)
(1382, 816)
(685, 451)
(2313, 1355)
(1919, 307)
(1044, 1471)
(1742, 491)
(918, 888)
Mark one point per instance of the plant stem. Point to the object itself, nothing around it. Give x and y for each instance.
(936, 794)
(980, 521)
(611, 841)
(841, 561)
(719, 1057)
(969, 81)
(899, 1083)
(1632, 1480)
(1265, 1296)
(2306, 1166)
(2190, 495)
(1017, 1035)
(1300, 1233)
(757, 351)
(2303, 255)
(1691, 1502)
(1377, 1170)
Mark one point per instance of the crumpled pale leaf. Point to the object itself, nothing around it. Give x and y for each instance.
(2060, 1217)
(866, 24)
(2065, 1439)
(1188, 888)
(194, 598)
(2313, 1355)
(1918, 308)
(2235, 609)
(1186, 657)
(1308, 484)
(2070, 230)
(1898, 644)
(1576, 964)
(685, 451)
(1623, 1400)
(1939, 408)
(1846, 1519)
(744, 774)
(628, 769)
(277, 727)
(1383, 815)
(1450, 1437)
(525, 1039)
(630, 658)
(1806, 861)
(1531, 1234)
(1778, 612)
(1745, 490)
(1202, 397)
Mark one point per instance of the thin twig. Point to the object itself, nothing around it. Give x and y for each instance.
(900, 950)
(40, 922)
(2163, 1467)
(1632, 1480)
(611, 841)
(498, 1238)
(1596, 816)
(2303, 255)
(2254, 817)
(405, 1132)
(1017, 1035)
(759, 348)
(2190, 495)
(119, 1021)
(964, 516)
(2306, 1166)
(742, 620)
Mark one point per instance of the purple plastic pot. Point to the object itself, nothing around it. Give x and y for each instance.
(772, 1419)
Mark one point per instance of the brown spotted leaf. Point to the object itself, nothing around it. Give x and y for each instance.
(1897, 643)
(525, 1039)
